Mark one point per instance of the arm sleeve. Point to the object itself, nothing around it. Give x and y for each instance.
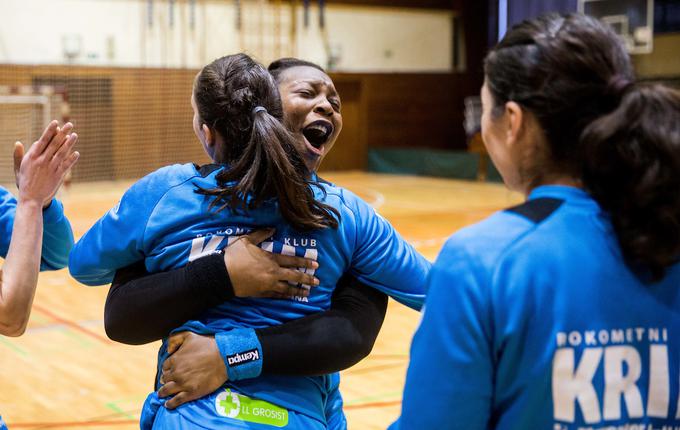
(57, 233)
(449, 383)
(383, 259)
(8, 209)
(330, 341)
(142, 308)
(57, 237)
(116, 240)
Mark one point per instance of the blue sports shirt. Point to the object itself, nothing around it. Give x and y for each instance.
(57, 234)
(163, 221)
(533, 321)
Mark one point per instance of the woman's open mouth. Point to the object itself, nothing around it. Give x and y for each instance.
(317, 133)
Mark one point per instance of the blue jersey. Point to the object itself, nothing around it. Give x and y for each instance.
(57, 234)
(163, 221)
(533, 321)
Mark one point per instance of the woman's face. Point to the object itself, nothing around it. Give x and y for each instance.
(311, 108)
(498, 138)
(200, 132)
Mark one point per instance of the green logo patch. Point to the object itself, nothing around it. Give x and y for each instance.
(239, 407)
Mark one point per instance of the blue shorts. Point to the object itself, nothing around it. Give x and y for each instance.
(224, 409)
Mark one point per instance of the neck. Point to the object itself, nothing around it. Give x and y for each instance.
(565, 180)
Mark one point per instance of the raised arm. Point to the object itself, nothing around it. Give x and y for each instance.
(40, 173)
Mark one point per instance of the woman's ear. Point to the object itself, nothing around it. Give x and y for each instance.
(515, 124)
(209, 135)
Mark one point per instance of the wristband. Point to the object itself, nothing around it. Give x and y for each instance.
(242, 353)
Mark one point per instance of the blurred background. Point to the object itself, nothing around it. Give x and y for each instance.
(122, 70)
(409, 74)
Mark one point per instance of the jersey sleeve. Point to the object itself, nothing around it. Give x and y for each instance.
(57, 233)
(383, 259)
(449, 383)
(116, 240)
(8, 208)
(57, 238)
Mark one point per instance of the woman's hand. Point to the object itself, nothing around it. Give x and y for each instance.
(193, 370)
(41, 171)
(255, 272)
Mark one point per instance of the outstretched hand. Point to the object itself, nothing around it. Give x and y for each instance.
(40, 171)
(255, 272)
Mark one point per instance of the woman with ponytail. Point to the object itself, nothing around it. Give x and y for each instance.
(181, 213)
(568, 311)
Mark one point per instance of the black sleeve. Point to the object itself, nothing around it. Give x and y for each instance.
(142, 308)
(329, 341)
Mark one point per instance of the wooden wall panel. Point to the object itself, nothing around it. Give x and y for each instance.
(147, 123)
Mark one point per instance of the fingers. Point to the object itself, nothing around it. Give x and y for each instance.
(284, 290)
(18, 156)
(295, 262)
(178, 400)
(50, 131)
(169, 389)
(65, 150)
(174, 342)
(58, 140)
(297, 277)
(70, 161)
(258, 236)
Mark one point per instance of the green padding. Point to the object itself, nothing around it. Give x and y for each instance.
(428, 162)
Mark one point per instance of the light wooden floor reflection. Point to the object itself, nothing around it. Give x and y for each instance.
(65, 374)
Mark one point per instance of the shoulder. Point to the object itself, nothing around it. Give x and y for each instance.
(494, 239)
(170, 176)
(160, 181)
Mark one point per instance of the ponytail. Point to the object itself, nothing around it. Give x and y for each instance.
(632, 168)
(240, 102)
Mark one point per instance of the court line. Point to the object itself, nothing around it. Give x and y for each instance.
(374, 405)
(115, 408)
(73, 424)
(373, 369)
(381, 397)
(71, 324)
(378, 197)
(12, 346)
(388, 356)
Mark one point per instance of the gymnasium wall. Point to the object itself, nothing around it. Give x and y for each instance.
(129, 33)
(664, 62)
(134, 120)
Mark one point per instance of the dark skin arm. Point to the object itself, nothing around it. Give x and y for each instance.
(142, 308)
(322, 343)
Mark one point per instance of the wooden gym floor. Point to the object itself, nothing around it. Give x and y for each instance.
(65, 374)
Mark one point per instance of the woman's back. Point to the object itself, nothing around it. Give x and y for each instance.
(575, 337)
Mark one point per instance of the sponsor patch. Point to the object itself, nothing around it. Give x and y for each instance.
(233, 405)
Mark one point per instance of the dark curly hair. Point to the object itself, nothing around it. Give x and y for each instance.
(262, 159)
(621, 138)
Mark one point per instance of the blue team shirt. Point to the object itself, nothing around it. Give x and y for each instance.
(162, 221)
(57, 233)
(533, 321)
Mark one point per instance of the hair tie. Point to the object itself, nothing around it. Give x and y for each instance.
(257, 109)
(618, 85)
